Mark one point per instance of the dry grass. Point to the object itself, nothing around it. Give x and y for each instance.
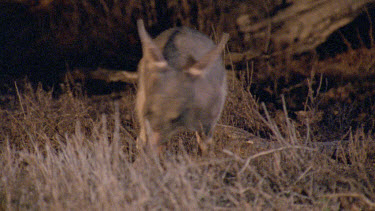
(76, 153)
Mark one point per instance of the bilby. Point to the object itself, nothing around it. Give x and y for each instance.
(181, 85)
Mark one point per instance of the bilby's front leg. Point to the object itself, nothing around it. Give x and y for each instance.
(204, 140)
(153, 138)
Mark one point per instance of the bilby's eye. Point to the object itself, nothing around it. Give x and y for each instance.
(177, 119)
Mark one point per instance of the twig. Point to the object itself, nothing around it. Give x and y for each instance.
(247, 162)
(20, 99)
(353, 195)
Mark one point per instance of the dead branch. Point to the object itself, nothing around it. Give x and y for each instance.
(305, 23)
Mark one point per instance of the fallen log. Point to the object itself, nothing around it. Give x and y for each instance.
(303, 25)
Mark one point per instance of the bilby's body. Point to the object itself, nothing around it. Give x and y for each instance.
(182, 84)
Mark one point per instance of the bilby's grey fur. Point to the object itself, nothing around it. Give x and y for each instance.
(182, 84)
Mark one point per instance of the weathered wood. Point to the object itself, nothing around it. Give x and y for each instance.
(114, 75)
(297, 26)
(304, 24)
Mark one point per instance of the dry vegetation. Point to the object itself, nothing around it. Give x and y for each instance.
(297, 132)
(76, 152)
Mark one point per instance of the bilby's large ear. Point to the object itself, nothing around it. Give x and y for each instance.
(150, 51)
(199, 68)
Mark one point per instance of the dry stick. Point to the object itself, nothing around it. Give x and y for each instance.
(353, 195)
(247, 74)
(250, 158)
(309, 84)
(320, 85)
(303, 175)
(258, 190)
(104, 128)
(20, 99)
(239, 159)
(346, 41)
(231, 63)
(311, 97)
(370, 28)
(105, 7)
(276, 131)
(270, 152)
(116, 134)
(269, 28)
(292, 133)
(252, 73)
(270, 123)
